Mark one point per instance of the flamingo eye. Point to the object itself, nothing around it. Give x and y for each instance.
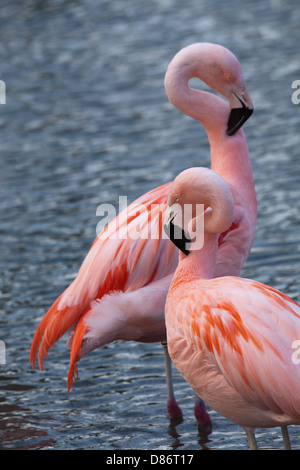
(229, 78)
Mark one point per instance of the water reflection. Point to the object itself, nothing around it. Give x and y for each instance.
(19, 428)
(204, 432)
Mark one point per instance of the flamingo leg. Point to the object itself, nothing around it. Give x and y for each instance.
(286, 438)
(175, 413)
(202, 417)
(174, 409)
(251, 440)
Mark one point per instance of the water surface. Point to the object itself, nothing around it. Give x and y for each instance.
(86, 120)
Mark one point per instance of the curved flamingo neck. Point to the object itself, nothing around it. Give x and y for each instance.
(229, 154)
(199, 264)
(211, 110)
(230, 158)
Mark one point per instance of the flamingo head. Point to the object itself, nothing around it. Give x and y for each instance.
(220, 69)
(199, 198)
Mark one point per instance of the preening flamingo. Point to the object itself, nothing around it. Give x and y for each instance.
(121, 287)
(230, 338)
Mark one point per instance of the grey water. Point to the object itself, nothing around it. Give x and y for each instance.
(87, 119)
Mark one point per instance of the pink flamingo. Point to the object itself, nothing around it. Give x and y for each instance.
(121, 287)
(230, 338)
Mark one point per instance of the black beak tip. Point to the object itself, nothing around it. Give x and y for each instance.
(177, 236)
(237, 118)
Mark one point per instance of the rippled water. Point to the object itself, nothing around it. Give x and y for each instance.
(86, 119)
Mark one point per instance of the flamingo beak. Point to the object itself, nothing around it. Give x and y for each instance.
(241, 109)
(176, 234)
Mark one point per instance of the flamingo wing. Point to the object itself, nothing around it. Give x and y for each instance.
(248, 335)
(129, 253)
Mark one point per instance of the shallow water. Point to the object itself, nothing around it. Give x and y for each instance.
(86, 119)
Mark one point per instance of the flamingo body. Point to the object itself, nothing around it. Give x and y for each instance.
(231, 339)
(117, 263)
